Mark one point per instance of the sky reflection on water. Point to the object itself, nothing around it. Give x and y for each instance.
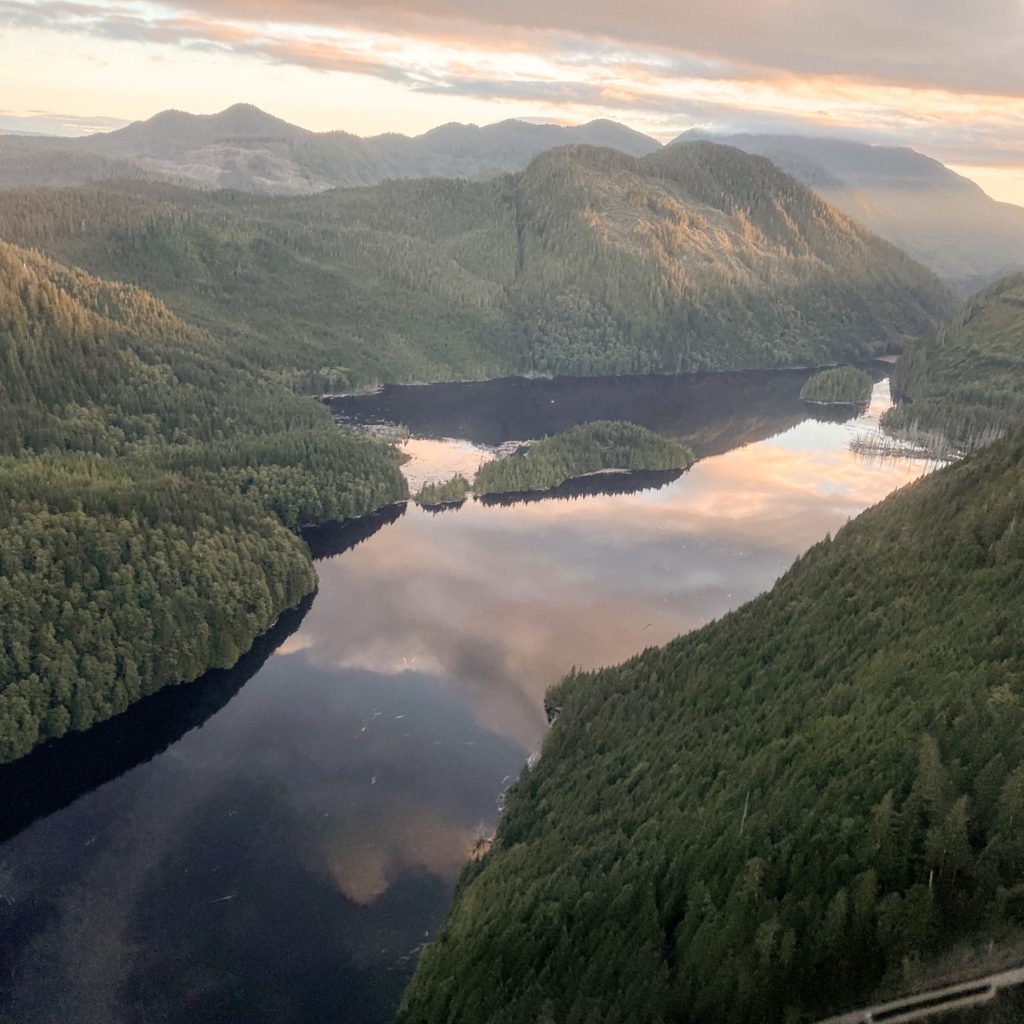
(283, 860)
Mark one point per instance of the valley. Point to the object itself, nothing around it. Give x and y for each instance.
(589, 262)
(323, 797)
(527, 574)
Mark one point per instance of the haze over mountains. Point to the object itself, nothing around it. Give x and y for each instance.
(590, 261)
(244, 148)
(941, 218)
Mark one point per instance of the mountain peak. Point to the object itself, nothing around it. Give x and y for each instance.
(175, 131)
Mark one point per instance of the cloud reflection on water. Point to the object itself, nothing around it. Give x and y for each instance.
(499, 603)
(299, 843)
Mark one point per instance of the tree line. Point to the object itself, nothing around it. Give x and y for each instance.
(151, 481)
(840, 385)
(698, 257)
(812, 804)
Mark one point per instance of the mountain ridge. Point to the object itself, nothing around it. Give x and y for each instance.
(941, 218)
(588, 261)
(245, 147)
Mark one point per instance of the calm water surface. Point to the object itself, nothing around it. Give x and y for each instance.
(276, 843)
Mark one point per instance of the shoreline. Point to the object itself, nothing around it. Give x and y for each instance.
(376, 389)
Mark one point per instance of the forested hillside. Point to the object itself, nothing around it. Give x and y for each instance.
(965, 379)
(28, 160)
(839, 384)
(589, 261)
(146, 476)
(783, 813)
(938, 216)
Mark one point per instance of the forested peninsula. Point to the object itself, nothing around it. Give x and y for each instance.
(840, 385)
(966, 380)
(148, 478)
(587, 448)
(806, 803)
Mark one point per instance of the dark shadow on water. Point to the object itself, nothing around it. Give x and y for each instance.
(836, 412)
(58, 773)
(332, 539)
(444, 506)
(590, 486)
(711, 412)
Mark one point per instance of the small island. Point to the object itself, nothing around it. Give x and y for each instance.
(600, 447)
(441, 493)
(842, 385)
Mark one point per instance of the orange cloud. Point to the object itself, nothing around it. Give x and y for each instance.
(727, 66)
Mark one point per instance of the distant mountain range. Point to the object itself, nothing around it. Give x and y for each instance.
(695, 257)
(942, 219)
(245, 148)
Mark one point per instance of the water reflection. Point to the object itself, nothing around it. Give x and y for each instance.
(712, 412)
(590, 486)
(501, 600)
(835, 412)
(334, 539)
(283, 859)
(282, 863)
(58, 773)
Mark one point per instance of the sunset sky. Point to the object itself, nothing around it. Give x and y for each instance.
(943, 76)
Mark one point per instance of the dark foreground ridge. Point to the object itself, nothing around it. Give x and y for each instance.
(773, 817)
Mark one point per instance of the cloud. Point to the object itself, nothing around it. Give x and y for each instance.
(924, 43)
(799, 66)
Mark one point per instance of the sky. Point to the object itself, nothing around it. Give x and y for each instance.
(943, 76)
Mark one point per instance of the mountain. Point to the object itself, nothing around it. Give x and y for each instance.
(964, 380)
(150, 481)
(804, 807)
(589, 261)
(466, 151)
(244, 148)
(941, 218)
(174, 132)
